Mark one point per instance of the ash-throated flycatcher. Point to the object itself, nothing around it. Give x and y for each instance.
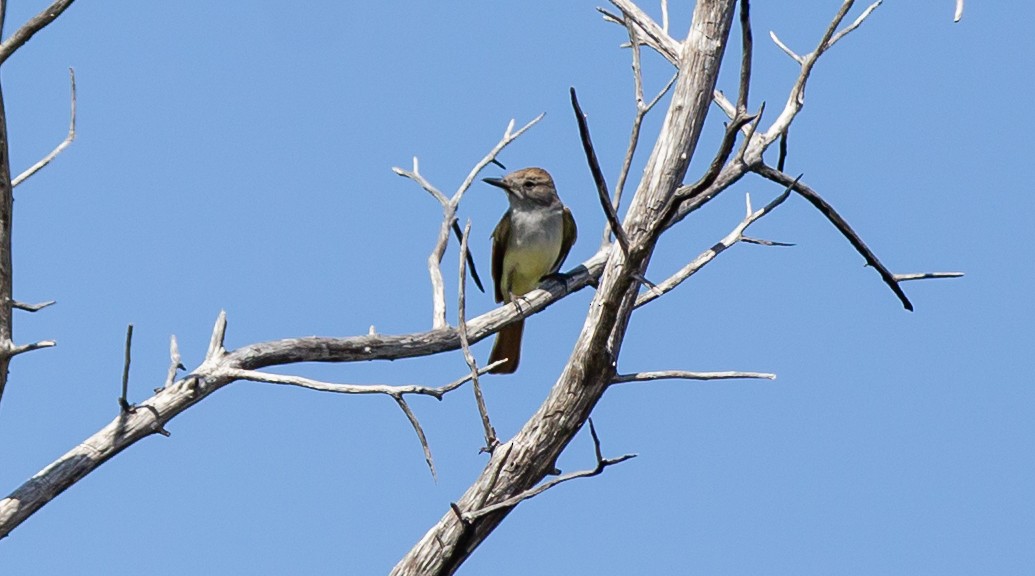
(530, 242)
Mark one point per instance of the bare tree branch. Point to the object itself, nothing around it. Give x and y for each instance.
(598, 174)
(654, 36)
(533, 492)
(60, 147)
(490, 433)
(30, 28)
(123, 402)
(926, 276)
(684, 375)
(420, 433)
(841, 224)
(175, 362)
(32, 307)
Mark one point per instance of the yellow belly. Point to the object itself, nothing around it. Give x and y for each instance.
(525, 266)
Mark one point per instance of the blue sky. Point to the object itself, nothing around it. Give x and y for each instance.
(238, 156)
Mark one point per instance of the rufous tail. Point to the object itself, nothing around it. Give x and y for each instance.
(508, 345)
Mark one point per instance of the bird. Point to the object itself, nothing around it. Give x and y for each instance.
(530, 242)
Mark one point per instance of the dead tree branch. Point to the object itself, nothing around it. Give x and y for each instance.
(60, 147)
(533, 492)
(30, 28)
(684, 375)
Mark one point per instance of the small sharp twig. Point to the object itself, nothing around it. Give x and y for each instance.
(926, 276)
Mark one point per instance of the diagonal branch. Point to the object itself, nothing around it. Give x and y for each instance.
(490, 433)
(841, 224)
(30, 28)
(653, 35)
(598, 174)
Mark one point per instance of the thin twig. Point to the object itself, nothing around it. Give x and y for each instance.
(685, 375)
(602, 463)
(60, 147)
(840, 223)
(959, 11)
(490, 433)
(420, 433)
(470, 258)
(391, 390)
(926, 276)
(123, 402)
(735, 235)
(598, 175)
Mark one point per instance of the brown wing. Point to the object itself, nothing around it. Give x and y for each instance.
(499, 241)
(570, 232)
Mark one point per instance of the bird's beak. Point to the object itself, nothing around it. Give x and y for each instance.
(497, 182)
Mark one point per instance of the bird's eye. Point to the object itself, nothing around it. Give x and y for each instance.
(529, 184)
